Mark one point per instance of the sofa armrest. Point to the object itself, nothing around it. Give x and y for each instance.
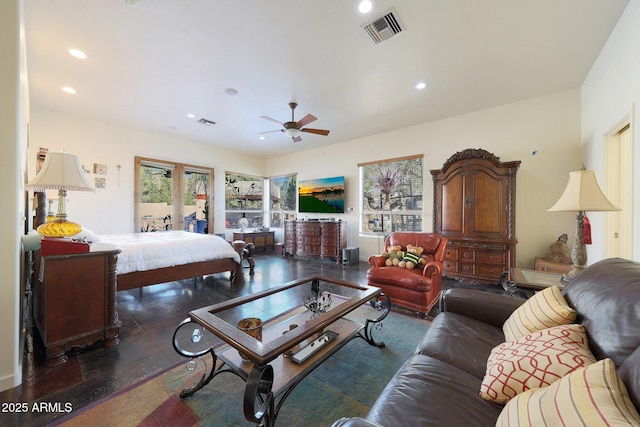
(355, 422)
(432, 268)
(377, 260)
(486, 307)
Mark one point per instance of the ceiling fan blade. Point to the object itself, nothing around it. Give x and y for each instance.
(270, 119)
(316, 131)
(306, 120)
(270, 131)
(297, 139)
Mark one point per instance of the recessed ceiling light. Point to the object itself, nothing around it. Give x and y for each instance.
(69, 90)
(261, 137)
(421, 85)
(77, 53)
(365, 6)
(191, 116)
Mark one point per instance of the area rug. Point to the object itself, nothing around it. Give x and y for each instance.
(345, 385)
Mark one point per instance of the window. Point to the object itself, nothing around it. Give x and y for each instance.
(172, 196)
(243, 199)
(391, 195)
(283, 193)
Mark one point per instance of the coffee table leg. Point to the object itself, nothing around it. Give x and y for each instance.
(382, 304)
(187, 342)
(258, 393)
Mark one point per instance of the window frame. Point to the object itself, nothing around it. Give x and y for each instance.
(387, 217)
(177, 190)
(286, 214)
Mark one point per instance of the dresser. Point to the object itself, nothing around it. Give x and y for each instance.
(474, 199)
(75, 301)
(260, 239)
(315, 239)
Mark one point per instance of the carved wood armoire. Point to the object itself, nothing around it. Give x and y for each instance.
(474, 205)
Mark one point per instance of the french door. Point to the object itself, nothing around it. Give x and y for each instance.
(172, 196)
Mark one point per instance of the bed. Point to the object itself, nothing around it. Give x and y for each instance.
(152, 258)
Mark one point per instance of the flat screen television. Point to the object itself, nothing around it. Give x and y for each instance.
(325, 195)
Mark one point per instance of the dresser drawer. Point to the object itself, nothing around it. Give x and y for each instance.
(451, 254)
(467, 254)
(486, 257)
(491, 271)
(450, 266)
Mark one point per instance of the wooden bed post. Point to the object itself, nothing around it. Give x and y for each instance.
(237, 277)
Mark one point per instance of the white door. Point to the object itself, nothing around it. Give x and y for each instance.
(618, 190)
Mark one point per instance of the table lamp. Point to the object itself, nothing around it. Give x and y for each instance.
(581, 194)
(62, 172)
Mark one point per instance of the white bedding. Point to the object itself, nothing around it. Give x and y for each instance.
(148, 251)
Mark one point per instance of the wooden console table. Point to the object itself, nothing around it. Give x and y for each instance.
(75, 301)
(260, 239)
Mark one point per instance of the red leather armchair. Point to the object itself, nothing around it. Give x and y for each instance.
(419, 288)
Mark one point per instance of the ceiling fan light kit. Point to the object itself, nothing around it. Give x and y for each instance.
(294, 129)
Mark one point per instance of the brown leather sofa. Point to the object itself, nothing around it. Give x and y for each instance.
(439, 384)
(418, 288)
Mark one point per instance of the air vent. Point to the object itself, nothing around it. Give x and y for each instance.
(206, 122)
(384, 28)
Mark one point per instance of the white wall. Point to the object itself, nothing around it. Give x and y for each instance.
(548, 125)
(110, 210)
(13, 137)
(610, 94)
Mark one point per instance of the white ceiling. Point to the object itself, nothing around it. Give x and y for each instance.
(149, 66)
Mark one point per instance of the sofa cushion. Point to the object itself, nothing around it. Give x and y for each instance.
(461, 341)
(535, 360)
(409, 279)
(428, 392)
(605, 295)
(545, 309)
(589, 396)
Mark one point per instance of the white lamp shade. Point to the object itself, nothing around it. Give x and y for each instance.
(61, 171)
(293, 132)
(583, 193)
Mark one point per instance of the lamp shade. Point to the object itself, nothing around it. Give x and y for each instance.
(61, 171)
(583, 193)
(293, 132)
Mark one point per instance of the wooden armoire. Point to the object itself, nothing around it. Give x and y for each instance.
(474, 205)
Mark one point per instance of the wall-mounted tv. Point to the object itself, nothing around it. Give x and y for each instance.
(324, 195)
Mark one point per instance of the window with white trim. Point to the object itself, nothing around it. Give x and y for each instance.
(391, 195)
(243, 199)
(283, 195)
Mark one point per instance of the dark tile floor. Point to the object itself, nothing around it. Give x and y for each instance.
(149, 317)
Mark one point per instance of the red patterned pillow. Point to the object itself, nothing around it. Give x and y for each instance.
(535, 360)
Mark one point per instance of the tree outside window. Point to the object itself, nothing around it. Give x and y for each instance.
(283, 193)
(391, 193)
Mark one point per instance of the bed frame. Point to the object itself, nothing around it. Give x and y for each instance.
(138, 279)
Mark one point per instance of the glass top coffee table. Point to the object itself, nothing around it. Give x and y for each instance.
(535, 279)
(303, 323)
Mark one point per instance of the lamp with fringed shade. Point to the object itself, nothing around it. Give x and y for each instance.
(62, 172)
(581, 194)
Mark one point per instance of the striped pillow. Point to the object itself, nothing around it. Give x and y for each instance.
(535, 360)
(545, 309)
(591, 396)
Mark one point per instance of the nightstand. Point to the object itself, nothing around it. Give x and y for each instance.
(74, 301)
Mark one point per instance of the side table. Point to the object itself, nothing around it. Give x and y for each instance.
(75, 301)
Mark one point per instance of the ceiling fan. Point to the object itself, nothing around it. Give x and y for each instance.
(293, 129)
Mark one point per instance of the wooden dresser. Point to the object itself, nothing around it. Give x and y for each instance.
(315, 239)
(75, 301)
(474, 200)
